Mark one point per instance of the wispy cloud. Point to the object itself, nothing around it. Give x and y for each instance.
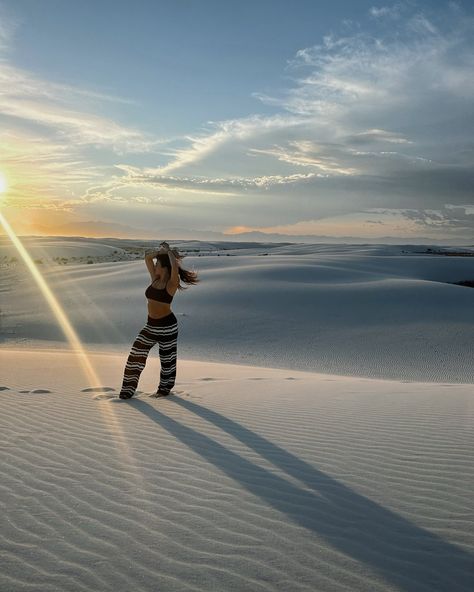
(40, 171)
(456, 218)
(8, 26)
(29, 99)
(370, 75)
(374, 135)
(224, 133)
(49, 129)
(227, 186)
(325, 159)
(390, 12)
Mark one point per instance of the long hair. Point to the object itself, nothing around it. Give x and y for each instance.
(188, 277)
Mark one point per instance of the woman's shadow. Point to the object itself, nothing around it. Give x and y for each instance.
(406, 555)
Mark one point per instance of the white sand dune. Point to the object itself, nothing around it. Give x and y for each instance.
(248, 479)
(370, 311)
(319, 437)
(47, 248)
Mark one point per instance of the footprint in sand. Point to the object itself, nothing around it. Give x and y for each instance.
(175, 392)
(36, 391)
(106, 397)
(96, 389)
(184, 394)
(262, 378)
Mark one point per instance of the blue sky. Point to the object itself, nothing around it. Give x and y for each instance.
(186, 62)
(287, 120)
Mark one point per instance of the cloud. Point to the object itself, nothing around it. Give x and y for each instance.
(48, 130)
(226, 132)
(391, 12)
(373, 135)
(8, 26)
(135, 177)
(31, 100)
(372, 75)
(325, 159)
(455, 218)
(41, 171)
(59, 107)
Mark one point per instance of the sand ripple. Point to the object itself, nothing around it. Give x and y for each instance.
(288, 482)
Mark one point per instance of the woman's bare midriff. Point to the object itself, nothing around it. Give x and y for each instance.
(157, 310)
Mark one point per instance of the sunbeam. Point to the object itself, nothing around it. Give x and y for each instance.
(56, 308)
(93, 379)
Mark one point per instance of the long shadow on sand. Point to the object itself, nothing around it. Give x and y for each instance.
(407, 556)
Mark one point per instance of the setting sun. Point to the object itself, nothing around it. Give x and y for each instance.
(3, 183)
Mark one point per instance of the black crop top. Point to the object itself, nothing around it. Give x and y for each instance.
(158, 294)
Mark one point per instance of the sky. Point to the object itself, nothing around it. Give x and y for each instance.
(299, 121)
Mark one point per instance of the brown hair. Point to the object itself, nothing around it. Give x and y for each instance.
(188, 277)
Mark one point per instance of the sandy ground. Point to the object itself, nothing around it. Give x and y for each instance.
(319, 436)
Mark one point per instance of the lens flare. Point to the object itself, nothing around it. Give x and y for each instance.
(111, 419)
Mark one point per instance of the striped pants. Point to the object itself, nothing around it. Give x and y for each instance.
(163, 331)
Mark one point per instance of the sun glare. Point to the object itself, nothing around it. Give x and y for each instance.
(74, 340)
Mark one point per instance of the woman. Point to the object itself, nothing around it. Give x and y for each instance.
(162, 325)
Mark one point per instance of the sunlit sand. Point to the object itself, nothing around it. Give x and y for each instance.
(319, 436)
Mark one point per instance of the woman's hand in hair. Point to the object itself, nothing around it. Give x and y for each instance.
(168, 249)
(176, 254)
